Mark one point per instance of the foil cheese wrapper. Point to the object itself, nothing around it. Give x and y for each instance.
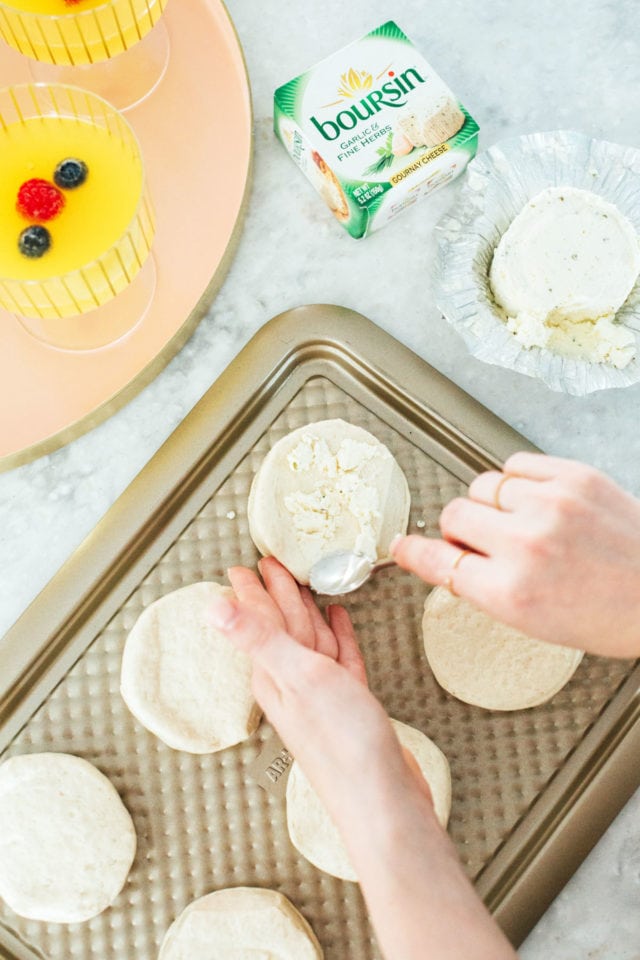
(497, 186)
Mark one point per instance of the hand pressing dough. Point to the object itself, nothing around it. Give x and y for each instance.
(241, 923)
(326, 487)
(183, 679)
(66, 841)
(487, 664)
(313, 832)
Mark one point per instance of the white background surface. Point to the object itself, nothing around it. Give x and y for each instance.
(518, 68)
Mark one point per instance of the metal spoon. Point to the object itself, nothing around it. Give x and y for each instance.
(343, 571)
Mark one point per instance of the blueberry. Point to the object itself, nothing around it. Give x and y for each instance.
(70, 173)
(34, 241)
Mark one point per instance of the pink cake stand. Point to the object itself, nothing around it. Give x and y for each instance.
(48, 396)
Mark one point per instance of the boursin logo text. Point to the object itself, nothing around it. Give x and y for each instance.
(392, 93)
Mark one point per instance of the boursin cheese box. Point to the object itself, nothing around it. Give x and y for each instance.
(374, 129)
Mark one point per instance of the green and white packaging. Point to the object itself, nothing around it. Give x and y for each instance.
(374, 129)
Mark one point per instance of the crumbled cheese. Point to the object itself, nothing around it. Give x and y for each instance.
(340, 490)
(602, 341)
(530, 330)
(352, 454)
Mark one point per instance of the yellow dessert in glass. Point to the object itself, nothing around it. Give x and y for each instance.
(80, 32)
(76, 213)
(107, 46)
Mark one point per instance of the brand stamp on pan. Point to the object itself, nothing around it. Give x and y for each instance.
(271, 767)
(279, 765)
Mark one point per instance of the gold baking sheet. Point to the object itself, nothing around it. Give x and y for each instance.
(532, 790)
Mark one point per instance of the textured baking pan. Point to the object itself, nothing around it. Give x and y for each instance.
(532, 790)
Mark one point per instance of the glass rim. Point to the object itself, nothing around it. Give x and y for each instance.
(143, 183)
(68, 16)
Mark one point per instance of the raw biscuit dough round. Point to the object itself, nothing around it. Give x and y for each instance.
(240, 923)
(325, 487)
(183, 679)
(488, 664)
(67, 841)
(313, 832)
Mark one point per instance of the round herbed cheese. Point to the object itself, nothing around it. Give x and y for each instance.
(562, 270)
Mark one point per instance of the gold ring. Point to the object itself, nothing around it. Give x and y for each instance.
(496, 494)
(447, 583)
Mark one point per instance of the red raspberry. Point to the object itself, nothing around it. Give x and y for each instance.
(39, 200)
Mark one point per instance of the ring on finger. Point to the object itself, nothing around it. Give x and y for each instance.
(447, 583)
(496, 493)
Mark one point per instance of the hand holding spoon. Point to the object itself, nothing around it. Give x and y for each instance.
(343, 571)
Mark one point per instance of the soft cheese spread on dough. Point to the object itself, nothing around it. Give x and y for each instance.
(340, 488)
(563, 268)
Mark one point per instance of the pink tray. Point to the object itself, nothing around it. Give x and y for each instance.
(47, 396)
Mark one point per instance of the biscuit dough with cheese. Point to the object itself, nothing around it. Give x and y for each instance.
(313, 832)
(488, 664)
(67, 841)
(240, 923)
(326, 487)
(183, 679)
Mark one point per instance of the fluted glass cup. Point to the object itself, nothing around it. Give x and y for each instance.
(97, 280)
(116, 48)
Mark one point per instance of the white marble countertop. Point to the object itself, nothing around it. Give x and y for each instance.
(518, 69)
